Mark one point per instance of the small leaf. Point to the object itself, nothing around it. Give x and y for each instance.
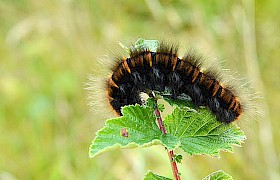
(152, 176)
(161, 107)
(141, 43)
(201, 133)
(152, 45)
(178, 158)
(136, 128)
(218, 175)
(151, 102)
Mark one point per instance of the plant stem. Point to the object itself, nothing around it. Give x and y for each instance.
(170, 153)
(173, 165)
(159, 120)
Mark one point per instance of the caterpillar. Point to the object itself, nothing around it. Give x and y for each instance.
(162, 70)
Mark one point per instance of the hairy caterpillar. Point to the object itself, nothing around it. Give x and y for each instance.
(162, 70)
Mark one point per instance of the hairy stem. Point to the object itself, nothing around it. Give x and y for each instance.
(170, 153)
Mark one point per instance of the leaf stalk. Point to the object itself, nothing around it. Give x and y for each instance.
(171, 156)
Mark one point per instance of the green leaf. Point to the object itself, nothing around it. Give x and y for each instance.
(178, 158)
(151, 102)
(136, 128)
(218, 175)
(152, 45)
(199, 132)
(161, 107)
(152, 176)
(141, 43)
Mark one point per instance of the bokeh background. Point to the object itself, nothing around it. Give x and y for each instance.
(48, 48)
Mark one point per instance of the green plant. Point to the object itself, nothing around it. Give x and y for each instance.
(193, 129)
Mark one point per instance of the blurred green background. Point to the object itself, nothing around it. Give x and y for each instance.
(48, 48)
